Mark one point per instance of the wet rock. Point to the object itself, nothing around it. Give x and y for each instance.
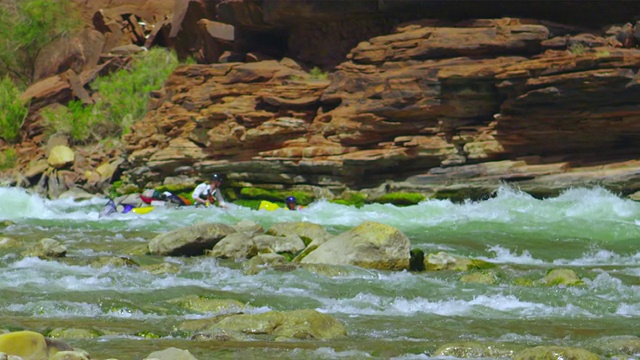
(290, 244)
(310, 233)
(487, 278)
(616, 346)
(207, 305)
(369, 245)
(445, 261)
(263, 262)
(73, 333)
(189, 241)
(472, 349)
(27, 344)
(70, 355)
(171, 354)
(555, 353)
(234, 246)
(297, 324)
(47, 248)
(562, 278)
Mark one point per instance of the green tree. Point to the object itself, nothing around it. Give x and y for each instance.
(26, 27)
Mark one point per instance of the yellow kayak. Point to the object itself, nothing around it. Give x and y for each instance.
(142, 210)
(268, 205)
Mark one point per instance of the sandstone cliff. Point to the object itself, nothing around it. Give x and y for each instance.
(451, 106)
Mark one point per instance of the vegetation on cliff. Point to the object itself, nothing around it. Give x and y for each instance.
(26, 27)
(121, 100)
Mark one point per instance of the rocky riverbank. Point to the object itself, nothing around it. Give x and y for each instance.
(445, 108)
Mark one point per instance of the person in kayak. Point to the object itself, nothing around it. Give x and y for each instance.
(290, 202)
(209, 193)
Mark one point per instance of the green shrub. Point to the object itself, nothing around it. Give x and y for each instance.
(75, 120)
(577, 48)
(123, 94)
(8, 158)
(317, 74)
(14, 111)
(26, 27)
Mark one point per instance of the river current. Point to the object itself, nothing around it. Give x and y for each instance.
(388, 315)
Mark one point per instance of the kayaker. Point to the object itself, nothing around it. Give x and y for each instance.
(209, 193)
(290, 202)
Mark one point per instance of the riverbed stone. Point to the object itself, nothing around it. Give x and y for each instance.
(70, 355)
(189, 241)
(207, 305)
(8, 242)
(296, 324)
(616, 345)
(369, 245)
(234, 246)
(279, 244)
(60, 156)
(26, 344)
(480, 277)
(249, 228)
(444, 261)
(171, 353)
(47, 248)
(262, 262)
(73, 333)
(562, 278)
(475, 349)
(310, 233)
(555, 353)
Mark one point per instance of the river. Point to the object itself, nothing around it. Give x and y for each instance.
(388, 315)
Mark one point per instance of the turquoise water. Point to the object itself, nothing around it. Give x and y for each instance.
(400, 315)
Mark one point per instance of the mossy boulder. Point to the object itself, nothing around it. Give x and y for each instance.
(262, 262)
(617, 345)
(189, 241)
(445, 261)
(555, 353)
(113, 261)
(561, 277)
(297, 324)
(480, 277)
(171, 354)
(369, 245)
(234, 246)
(400, 198)
(30, 345)
(207, 305)
(47, 248)
(474, 349)
(310, 233)
(73, 333)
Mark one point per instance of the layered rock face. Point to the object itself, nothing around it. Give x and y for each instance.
(434, 107)
(408, 95)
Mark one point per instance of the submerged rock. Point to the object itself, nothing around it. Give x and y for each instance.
(171, 354)
(555, 353)
(473, 349)
(445, 261)
(297, 324)
(562, 277)
(47, 248)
